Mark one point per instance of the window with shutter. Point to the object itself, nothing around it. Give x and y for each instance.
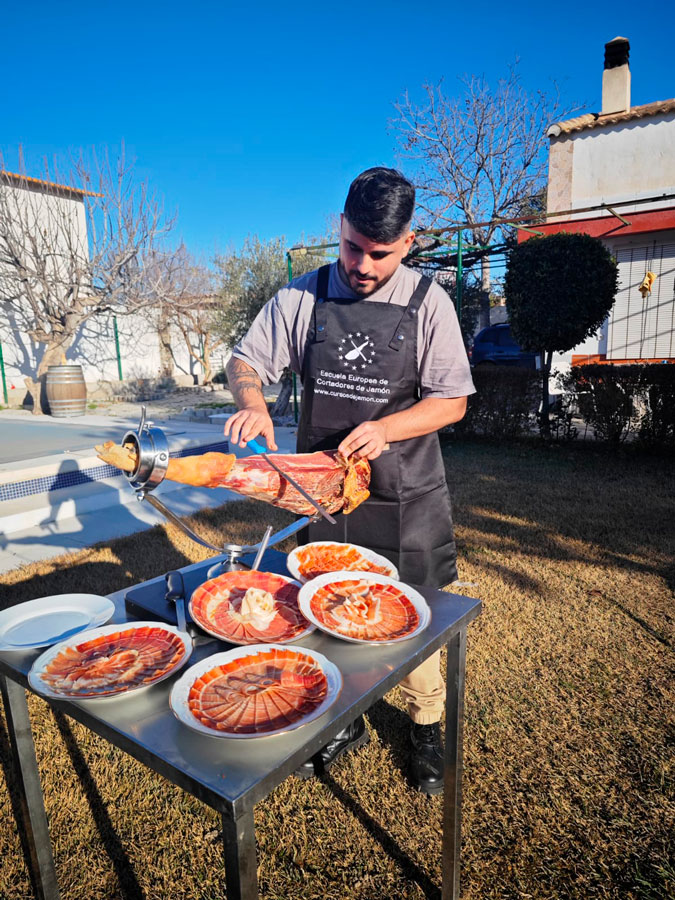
(643, 329)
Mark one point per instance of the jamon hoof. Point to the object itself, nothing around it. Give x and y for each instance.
(208, 472)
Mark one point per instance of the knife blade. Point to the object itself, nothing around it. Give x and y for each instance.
(258, 448)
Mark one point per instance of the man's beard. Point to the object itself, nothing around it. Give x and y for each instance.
(364, 288)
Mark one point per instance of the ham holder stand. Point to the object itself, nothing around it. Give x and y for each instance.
(152, 454)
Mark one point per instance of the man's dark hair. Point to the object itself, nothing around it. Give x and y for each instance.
(380, 204)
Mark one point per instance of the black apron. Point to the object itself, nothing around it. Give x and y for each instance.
(360, 363)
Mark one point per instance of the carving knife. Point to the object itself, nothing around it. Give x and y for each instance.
(258, 448)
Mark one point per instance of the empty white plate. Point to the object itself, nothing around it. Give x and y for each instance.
(38, 623)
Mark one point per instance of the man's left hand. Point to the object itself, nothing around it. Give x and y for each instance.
(367, 440)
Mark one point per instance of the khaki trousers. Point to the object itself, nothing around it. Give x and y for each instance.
(424, 691)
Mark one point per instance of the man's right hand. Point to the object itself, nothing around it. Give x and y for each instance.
(253, 418)
(248, 424)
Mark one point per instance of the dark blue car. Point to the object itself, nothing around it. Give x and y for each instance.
(496, 346)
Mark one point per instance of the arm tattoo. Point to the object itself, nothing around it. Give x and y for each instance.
(244, 383)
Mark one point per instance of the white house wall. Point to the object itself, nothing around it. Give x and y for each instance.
(63, 219)
(56, 223)
(94, 349)
(56, 226)
(49, 228)
(612, 164)
(139, 350)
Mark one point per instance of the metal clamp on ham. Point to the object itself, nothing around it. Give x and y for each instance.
(314, 485)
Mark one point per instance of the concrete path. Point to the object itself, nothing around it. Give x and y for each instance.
(35, 438)
(30, 437)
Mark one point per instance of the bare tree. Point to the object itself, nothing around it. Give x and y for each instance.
(162, 321)
(185, 302)
(72, 248)
(477, 157)
(195, 311)
(194, 317)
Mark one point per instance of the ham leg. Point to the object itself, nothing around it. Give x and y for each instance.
(338, 484)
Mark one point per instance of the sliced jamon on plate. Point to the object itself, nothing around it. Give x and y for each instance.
(249, 607)
(255, 691)
(364, 607)
(320, 557)
(112, 660)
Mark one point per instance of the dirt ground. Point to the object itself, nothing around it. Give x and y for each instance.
(569, 776)
(165, 407)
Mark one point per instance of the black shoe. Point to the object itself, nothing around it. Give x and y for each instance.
(426, 758)
(351, 737)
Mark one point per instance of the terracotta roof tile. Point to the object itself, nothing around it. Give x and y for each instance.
(594, 120)
(15, 178)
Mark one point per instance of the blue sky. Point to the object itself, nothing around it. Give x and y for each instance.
(254, 118)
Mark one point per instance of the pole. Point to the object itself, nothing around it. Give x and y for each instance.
(4, 380)
(295, 384)
(117, 348)
(460, 277)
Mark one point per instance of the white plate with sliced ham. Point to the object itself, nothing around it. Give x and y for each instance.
(321, 557)
(109, 661)
(364, 607)
(250, 607)
(256, 691)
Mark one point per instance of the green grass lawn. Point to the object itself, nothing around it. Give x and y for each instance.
(569, 737)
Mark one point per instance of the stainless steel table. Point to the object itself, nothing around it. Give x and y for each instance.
(216, 770)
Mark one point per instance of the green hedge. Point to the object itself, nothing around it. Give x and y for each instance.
(622, 401)
(617, 402)
(504, 404)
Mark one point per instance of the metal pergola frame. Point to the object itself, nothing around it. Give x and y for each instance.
(456, 261)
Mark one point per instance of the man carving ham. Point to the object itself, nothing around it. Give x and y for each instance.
(383, 366)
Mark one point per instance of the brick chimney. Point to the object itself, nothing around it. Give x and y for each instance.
(616, 77)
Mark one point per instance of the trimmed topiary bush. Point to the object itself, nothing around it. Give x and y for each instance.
(559, 290)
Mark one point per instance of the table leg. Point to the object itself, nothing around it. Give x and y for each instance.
(241, 865)
(452, 791)
(36, 829)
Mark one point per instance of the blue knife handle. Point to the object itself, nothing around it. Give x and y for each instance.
(256, 447)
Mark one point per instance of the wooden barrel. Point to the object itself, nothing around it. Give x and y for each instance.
(66, 391)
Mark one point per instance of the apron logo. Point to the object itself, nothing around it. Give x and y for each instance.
(356, 351)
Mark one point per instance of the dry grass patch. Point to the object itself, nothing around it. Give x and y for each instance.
(568, 787)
